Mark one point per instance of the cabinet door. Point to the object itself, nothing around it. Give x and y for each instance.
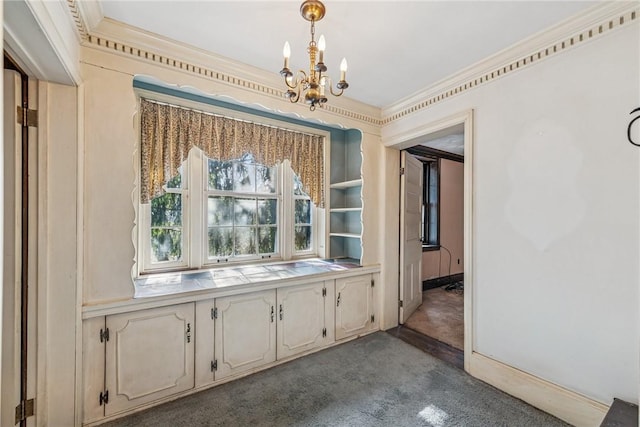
(149, 355)
(245, 332)
(354, 310)
(302, 318)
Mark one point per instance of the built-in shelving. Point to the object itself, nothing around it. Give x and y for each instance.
(345, 197)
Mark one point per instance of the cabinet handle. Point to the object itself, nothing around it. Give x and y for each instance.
(188, 332)
(338, 301)
(271, 314)
(280, 311)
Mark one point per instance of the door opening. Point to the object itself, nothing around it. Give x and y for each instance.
(440, 322)
(16, 406)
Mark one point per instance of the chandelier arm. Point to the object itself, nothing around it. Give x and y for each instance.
(300, 79)
(333, 93)
(296, 98)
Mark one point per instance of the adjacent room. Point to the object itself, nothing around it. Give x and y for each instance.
(320, 213)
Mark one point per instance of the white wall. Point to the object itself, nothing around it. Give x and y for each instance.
(57, 287)
(556, 211)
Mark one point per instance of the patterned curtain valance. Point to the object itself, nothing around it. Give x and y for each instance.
(169, 132)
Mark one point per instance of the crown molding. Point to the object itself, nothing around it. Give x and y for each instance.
(125, 40)
(575, 31)
(88, 14)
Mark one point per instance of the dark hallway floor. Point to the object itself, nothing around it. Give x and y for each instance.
(441, 316)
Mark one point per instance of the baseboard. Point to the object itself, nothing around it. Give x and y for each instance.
(567, 405)
(441, 281)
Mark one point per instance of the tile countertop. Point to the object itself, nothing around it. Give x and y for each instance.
(180, 282)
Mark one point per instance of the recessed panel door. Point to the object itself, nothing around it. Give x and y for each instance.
(354, 308)
(245, 332)
(149, 355)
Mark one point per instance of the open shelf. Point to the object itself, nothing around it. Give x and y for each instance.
(348, 235)
(347, 184)
(332, 210)
(345, 196)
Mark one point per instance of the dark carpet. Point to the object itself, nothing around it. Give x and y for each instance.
(377, 380)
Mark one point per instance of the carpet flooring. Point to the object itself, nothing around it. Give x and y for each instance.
(377, 380)
(441, 316)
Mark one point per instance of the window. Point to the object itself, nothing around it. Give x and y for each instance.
(242, 209)
(227, 211)
(430, 204)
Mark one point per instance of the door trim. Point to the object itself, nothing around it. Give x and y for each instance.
(466, 118)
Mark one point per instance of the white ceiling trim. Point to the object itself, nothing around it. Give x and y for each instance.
(125, 40)
(575, 31)
(122, 39)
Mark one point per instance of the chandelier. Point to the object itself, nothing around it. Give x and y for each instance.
(313, 84)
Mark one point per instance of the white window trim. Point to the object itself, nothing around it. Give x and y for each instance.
(194, 250)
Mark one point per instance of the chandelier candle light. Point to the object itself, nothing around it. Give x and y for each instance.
(314, 83)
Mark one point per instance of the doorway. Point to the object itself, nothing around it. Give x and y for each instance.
(18, 355)
(440, 323)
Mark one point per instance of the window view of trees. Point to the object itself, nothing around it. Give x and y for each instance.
(244, 222)
(302, 217)
(166, 224)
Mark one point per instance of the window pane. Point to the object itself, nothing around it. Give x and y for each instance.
(303, 212)
(175, 182)
(265, 179)
(267, 211)
(166, 210)
(166, 244)
(267, 240)
(302, 238)
(220, 175)
(245, 241)
(297, 186)
(220, 241)
(220, 211)
(245, 211)
(244, 177)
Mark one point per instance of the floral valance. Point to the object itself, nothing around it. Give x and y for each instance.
(169, 132)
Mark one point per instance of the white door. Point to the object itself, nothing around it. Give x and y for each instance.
(10, 309)
(245, 332)
(302, 314)
(149, 355)
(410, 235)
(354, 299)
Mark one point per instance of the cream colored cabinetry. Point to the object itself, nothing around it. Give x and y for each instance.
(149, 355)
(139, 357)
(305, 318)
(354, 306)
(245, 332)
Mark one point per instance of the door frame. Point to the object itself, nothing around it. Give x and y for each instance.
(413, 137)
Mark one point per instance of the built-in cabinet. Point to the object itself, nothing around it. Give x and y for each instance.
(149, 355)
(138, 357)
(354, 306)
(245, 332)
(345, 197)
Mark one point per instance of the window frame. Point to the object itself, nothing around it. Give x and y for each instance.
(427, 166)
(195, 250)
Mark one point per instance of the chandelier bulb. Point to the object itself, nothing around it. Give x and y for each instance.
(343, 69)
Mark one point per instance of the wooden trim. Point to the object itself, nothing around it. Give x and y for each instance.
(429, 345)
(565, 404)
(441, 281)
(421, 150)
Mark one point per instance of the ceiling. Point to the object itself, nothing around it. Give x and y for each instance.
(394, 48)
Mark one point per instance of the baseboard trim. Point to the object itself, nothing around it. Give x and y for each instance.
(441, 281)
(567, 405)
